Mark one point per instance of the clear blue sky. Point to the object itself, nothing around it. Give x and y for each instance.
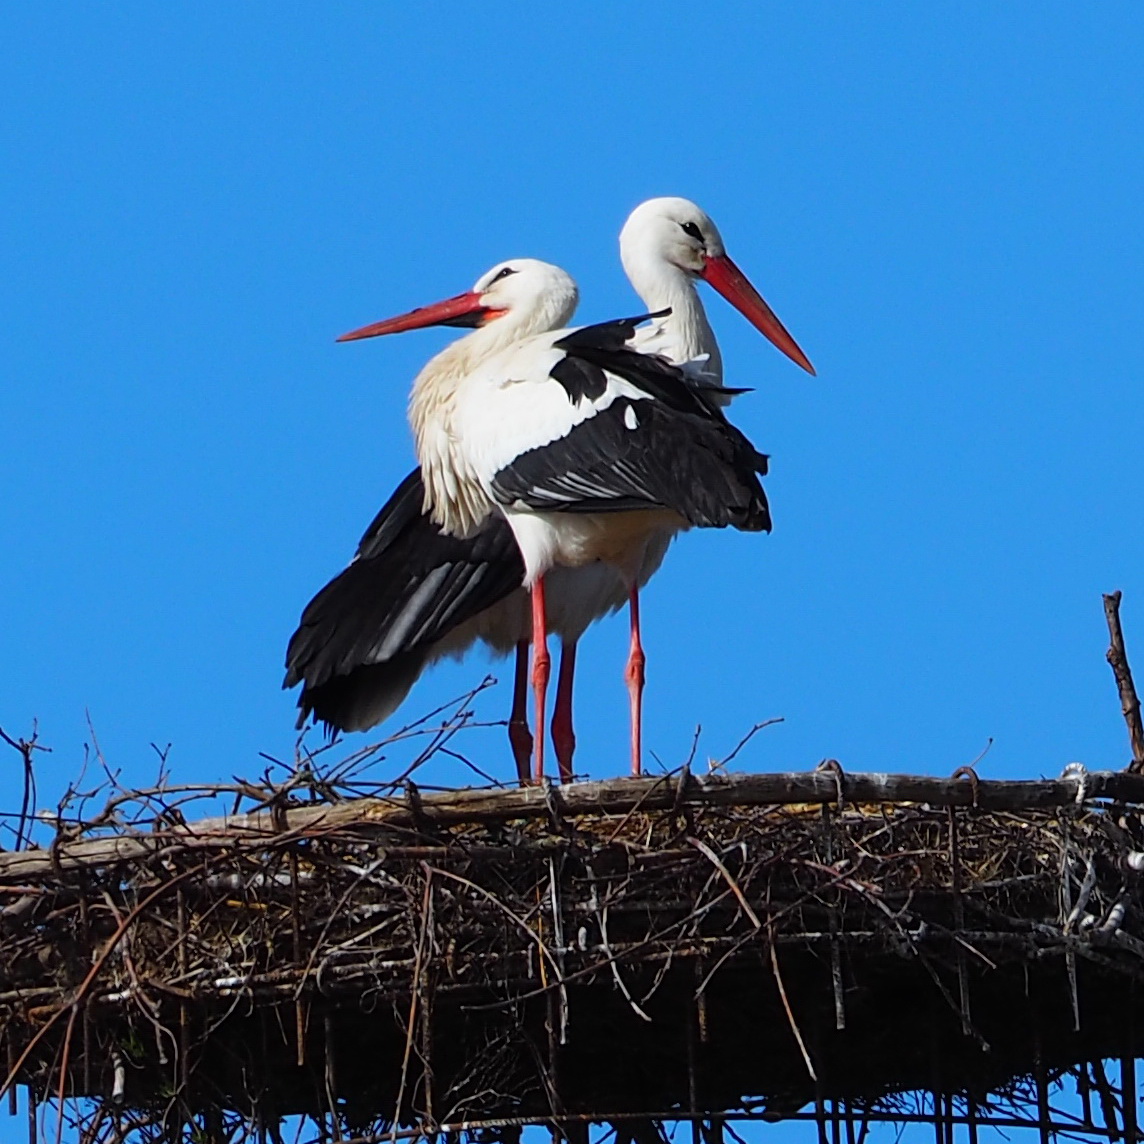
(941, 201)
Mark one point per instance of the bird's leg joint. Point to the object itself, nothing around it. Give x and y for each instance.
(541, 665)
(634, 673)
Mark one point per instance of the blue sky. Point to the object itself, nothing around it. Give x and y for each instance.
(941, 202)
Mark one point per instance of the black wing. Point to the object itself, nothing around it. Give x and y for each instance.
(675, 449)
(364, 637)
(401, 512)
(592, 352)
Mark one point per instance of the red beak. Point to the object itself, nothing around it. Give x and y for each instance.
(725, 277)
(463, 310)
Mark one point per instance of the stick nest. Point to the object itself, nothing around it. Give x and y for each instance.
(656, 947)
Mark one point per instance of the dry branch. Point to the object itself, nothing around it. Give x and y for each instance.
(1117, 658)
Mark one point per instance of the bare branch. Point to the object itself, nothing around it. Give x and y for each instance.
(1117, 657)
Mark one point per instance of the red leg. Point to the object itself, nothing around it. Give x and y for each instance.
(541, 670)
(563, 738)
(518, 733)
(634, 674)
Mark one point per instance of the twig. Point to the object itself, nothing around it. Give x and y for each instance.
(92, 974)
(713, 858)
(27, 749)
(786, 1005)
(1129, 701)
(414, 994)
(720, 764)
(545, 951)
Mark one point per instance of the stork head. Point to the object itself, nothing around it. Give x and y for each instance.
(668, 236)
(519, 297)
(673, 230)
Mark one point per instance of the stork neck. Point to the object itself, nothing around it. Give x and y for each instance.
(457, 505)
(685, 333)
(445, 370)
(487, 340)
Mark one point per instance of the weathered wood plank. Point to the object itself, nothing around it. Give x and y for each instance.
(606, 797)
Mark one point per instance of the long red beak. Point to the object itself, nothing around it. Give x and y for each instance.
(463, 310)
(725, 277)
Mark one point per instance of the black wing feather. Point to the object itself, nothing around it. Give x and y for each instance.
(611, 335)
(699, 467)
(579, 378)
(399, 513)
(363, 697)
(675, 450)
(373, 625)
(592, 351)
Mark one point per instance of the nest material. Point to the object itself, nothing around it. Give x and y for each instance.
(656, 947)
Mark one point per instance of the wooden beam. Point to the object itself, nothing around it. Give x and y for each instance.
(610, 797)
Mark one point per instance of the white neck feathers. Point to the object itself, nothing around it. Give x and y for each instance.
(685, 333)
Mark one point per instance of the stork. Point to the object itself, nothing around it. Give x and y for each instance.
(667, 245)
(413, 593)
(358, 648)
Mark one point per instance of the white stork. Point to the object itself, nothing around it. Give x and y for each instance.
(666, 246)
(414, 593)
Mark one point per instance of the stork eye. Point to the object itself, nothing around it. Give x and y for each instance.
(503, 274)
(692, 230)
